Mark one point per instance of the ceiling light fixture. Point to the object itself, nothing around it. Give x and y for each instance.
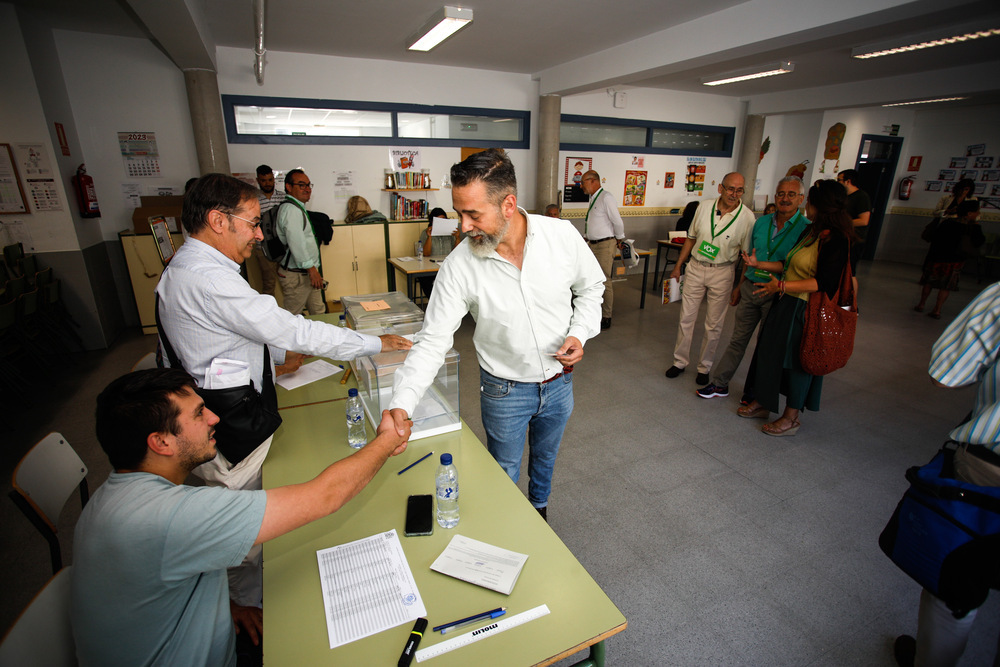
(748, 74)
(939, 99)
(923, 42)
(445, 23)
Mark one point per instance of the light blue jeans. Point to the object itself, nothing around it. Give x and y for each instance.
(511, 409)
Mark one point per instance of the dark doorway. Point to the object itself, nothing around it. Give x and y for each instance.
(876, 166)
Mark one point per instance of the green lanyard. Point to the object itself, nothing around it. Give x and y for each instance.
(774, 241)
(735, 216)
(590, 208)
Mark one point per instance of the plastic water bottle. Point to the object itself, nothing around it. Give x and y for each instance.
(446, 482)
(357, 437)
(420, 250)
(342, 322)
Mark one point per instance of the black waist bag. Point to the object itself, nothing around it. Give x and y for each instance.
(246, 418)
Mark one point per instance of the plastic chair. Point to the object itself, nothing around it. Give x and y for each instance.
(146, 362)
(43, 482)
(14, 288)
(12, 254)
(43, 277)
(28, 266)
(43, 634)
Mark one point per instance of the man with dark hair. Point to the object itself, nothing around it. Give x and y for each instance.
(208, 312)
(301, 281)
(149, 554)
(269, 197)
(720, 230)
(604, 231)
(534, 290)
(859, 207)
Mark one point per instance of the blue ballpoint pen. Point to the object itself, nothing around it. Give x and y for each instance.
(448, 627)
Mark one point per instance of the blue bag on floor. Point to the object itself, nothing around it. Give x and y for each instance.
(945, 534)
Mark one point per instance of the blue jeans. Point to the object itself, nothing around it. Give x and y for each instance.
(509, 410)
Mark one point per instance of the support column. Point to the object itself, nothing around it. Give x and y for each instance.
(206, 120)
(753, 135)
(547, 171)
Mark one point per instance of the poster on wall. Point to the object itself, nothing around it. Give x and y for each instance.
(831, 149)
(694, 184)
(933, 186)
(638, 162)
(991, 174)
(948, 186)
(668, 180)
(979, 190)
(343, 185)
(576, 167)
(36, 169)
(635, 188)
(140, 156)
(983, 162)
(958, 163)
(975, 149)
(12, 199)
(947, 175)
(995, 191)
(404, 159)
(971, 174)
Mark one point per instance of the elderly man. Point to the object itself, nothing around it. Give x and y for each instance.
(149, 554)
(268, 198)
(534, 290)
(604, 231)
(208, 312)
(719, 232)
(301, 281)
(773, 236)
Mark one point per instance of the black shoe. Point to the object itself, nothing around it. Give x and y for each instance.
(673, 372)
(711, 391)
(544, 512)
(605, 323)
(701, 379)
(905, 650)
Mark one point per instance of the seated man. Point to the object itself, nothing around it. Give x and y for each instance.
(150, 554)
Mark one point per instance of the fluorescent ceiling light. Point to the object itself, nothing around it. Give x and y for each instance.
(939, 99)
(918, 43)
(748, 74)
(445, 23)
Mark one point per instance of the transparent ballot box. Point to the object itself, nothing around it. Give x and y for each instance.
(437, 411)
(368, 311)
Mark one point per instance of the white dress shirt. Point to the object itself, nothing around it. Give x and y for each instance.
(603, 219)
(208, 310)
(522, 316)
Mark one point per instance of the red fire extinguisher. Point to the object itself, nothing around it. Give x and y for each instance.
(86, 195)
(906, 187)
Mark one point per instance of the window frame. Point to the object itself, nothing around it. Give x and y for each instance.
(230, 102)
(729, 136)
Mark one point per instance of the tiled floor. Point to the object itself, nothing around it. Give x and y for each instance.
(722, 546)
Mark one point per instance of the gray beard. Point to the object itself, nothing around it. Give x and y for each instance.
(485, 244)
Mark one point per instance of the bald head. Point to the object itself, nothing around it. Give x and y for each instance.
(591, 182)
(730, 191)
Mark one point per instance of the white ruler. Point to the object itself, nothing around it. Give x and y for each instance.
(481, 633)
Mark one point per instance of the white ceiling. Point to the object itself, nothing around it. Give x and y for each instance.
(577, 45)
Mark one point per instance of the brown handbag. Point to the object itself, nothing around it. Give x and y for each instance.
(828, 328)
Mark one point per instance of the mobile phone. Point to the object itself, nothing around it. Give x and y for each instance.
(418, 516)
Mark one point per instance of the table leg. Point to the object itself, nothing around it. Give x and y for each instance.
(596, 658)
(656, 269)
(410, 279)
(645, 275)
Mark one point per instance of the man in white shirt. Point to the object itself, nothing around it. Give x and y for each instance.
(534, 290)
(721, 229)
(268, 197)
(301, 281)
(604, 231)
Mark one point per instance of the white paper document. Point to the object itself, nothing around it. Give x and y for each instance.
(226, 373)
(367, 588)
(316, 370)
(481, 564)
(444, 226)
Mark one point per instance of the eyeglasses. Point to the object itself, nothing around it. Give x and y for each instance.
(253, 224)
(732, 190)
(301, 185)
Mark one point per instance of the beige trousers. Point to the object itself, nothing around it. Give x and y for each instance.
(713, 283)
(605, 254)
(268, 271)
(298, 293)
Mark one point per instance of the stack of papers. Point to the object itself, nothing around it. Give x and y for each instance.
(480, 564)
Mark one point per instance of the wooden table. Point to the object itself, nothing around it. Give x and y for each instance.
(413, 269)
(645, 273)
(493, 510)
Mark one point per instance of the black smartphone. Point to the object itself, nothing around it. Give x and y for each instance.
(418, 516)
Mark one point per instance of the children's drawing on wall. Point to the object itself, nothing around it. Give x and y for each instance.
(798, 169)
(694, 185)
(575, 168)
(668, 180)
(764, 148)
(635, 188)
(834, 140)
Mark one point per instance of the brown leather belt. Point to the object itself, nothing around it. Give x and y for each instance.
(566, 371)
(606, 238)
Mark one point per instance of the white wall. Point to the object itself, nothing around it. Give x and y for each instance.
(123, 84)
(22, 120)
(870, 120)
(793, 141)
(661, 106)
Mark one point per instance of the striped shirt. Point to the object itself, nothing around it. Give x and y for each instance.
(966, 353)
(277, 198)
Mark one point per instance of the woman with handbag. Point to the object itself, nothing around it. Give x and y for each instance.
(952, 242)
(816, 263)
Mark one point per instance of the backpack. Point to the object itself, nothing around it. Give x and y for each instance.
(272, 246)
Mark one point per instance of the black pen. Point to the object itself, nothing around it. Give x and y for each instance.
(412, 642)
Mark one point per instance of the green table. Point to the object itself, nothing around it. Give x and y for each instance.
(493, 510)
(322, 391)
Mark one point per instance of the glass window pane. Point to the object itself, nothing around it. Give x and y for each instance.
(603, 135)
(688, 140)
(292, 121)
(462, 127)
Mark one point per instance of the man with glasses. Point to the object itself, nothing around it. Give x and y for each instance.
(209, 312)
(719, 232)
(301, 282)
(604, 231)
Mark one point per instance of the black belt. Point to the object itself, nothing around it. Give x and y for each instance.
(295, 270)
(606, 238)
(566, 371)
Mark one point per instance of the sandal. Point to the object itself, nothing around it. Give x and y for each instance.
(748, 412)
(936, 316)
(919, 309)
(771, 429)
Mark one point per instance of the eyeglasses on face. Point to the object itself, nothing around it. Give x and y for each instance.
(254, 224)
(733, 191)
(302, 185)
